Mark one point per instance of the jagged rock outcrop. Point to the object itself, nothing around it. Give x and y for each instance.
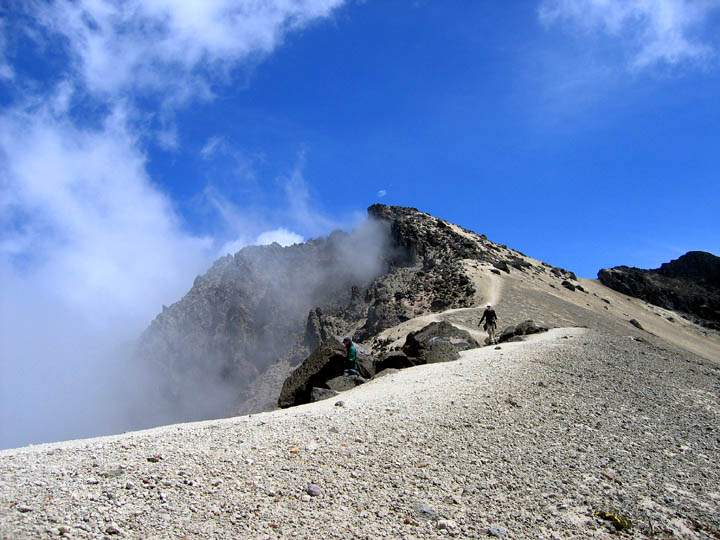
(690, 284)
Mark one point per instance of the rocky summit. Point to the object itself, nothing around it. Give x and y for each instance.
(594, 415)
(255, 315)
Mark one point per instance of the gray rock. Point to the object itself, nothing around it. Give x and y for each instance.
(497, 532)
(318, 394)
(523, 329)
(113, 529)
(313, 490)
(447, 524)
(384, 372)
(394, 360)
(325, 363)
(345, 382)
(636, 324)
(437, 342)
(425, 511)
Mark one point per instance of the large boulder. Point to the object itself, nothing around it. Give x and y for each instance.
(394, 360)
(366, 364)
(525, 328)
(437, 342)
(325, 363)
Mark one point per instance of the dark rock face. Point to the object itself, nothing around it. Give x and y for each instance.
(690, 284)
(437, 342)
(324, 364)
(525, 328)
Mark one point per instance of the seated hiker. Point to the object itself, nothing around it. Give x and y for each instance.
(351, 364)
(490, 318)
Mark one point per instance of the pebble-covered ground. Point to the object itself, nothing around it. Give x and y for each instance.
(531, 440)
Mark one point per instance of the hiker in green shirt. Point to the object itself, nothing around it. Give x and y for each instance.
(351, 365)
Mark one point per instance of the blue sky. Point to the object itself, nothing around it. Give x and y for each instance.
(142, 139)
(584, 133)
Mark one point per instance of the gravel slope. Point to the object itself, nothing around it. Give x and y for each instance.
(528, 441)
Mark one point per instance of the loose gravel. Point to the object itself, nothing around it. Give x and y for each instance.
(531, 440)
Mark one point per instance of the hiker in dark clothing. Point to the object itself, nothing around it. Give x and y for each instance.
(490, 318)
(351, 365)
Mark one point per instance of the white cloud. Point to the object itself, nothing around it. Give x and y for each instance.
(172, 46)
(657, 31)
(280, 236)
(87, 215)
(90, 248)
(381, 193)
(89, 252)
(301, 211)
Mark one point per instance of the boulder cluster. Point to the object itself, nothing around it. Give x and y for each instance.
(322, 374)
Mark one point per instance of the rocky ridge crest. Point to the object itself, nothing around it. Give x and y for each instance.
(689, 284)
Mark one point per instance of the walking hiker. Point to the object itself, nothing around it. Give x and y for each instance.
(351, 365)
(490, 318)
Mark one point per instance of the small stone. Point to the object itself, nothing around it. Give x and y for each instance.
(498, 348)
(497, 532)
(92, 481)
(63, 530)
(306, 498)
(216, 482)
(313, 490)
(636, 324)
(425, 511)
(113, 529)
(155, 458)
(447, 524)
(23, 509)
(340, 403)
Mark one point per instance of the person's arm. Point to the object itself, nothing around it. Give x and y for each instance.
(482, 318)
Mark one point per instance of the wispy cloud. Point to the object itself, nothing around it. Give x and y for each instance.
(654, 32)
(211, 147)
(176, 47)
(6, 71)
(381, 193)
